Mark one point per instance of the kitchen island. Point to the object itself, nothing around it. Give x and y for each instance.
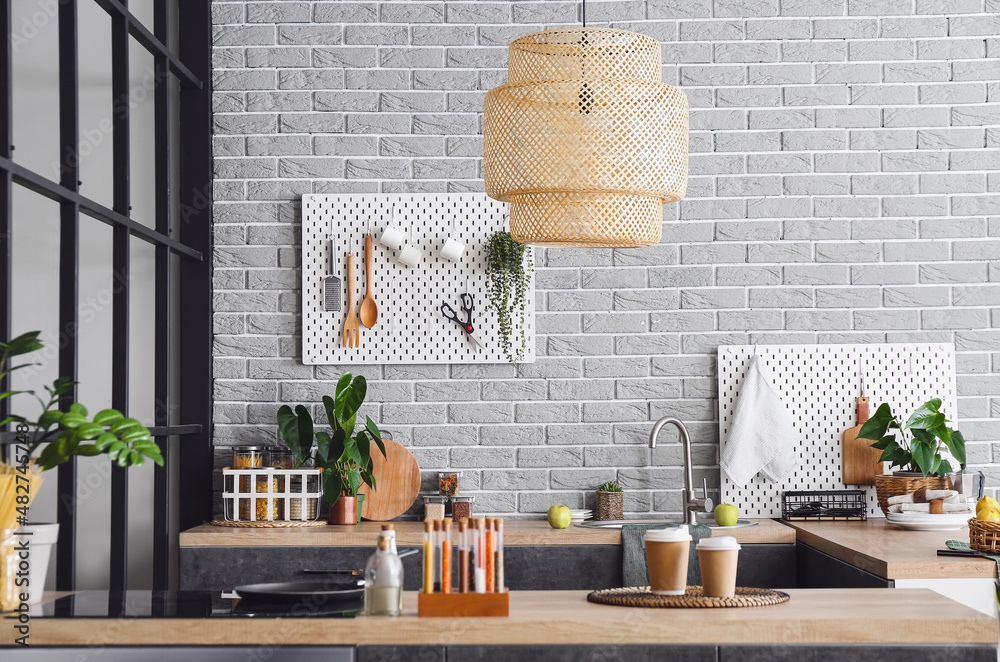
(911, 625)
(878, 554)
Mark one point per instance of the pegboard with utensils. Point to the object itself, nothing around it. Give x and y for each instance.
(410, 327)
(820, 384)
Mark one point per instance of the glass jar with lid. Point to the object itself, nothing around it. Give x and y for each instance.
(434, 507)
(461, 507)
(247, 457)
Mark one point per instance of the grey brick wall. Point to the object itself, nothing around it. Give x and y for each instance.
(844, 188)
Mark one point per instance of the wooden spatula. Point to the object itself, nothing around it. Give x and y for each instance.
(369, 310)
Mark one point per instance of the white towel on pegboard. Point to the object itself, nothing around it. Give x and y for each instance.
(762, 437)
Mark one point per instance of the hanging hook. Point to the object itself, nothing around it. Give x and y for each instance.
(584, 13)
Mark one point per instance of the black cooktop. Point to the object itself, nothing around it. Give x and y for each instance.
(184, 604)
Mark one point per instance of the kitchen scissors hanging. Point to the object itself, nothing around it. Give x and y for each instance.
(468, 306)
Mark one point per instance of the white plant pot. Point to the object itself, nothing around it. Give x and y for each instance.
(43, 537)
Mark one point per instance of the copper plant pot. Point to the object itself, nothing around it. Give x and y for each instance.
(343, 511)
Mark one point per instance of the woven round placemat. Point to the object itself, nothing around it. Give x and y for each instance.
(265, 525)
(640, 596)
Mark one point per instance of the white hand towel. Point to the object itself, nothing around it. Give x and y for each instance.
(947, 495)
(762, 437)
(926, 508)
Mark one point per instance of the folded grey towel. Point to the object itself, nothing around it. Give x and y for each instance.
(635, 572)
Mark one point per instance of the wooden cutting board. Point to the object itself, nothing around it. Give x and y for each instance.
(397, 476)
(860, 460)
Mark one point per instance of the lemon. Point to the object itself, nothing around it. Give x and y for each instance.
(988, 515)
(726, 514)
(559, 517)
(987, 501)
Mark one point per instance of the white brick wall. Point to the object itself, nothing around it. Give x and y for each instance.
(844, 188)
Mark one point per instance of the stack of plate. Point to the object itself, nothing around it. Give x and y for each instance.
(577, 516)
(928, 522)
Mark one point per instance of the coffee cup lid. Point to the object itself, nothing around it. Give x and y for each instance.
(674, 534)
(721, 543)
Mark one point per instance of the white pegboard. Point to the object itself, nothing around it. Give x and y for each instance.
(410, 327)
(819, 385)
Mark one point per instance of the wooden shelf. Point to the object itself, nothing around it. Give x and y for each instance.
(516, 532)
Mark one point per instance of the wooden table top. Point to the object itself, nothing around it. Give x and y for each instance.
(516, 532)
(561, 617)
(891, 552)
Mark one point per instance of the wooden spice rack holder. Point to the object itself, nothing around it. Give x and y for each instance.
(443, 605)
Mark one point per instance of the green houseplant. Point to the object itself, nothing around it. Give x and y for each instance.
(72, 431)
(918, 452)
(922, 439)
(66, 429)
(344, 455)
(508, 267)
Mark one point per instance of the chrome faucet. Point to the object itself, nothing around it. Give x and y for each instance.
(692, 504)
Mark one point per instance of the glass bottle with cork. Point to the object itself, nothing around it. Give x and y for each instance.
(384, 581)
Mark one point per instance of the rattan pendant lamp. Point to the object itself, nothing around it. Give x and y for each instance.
(585, 141)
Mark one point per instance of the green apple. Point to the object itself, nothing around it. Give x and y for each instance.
(559, 517)
(726, 514)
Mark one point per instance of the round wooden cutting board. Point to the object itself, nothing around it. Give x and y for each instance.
(397, 476)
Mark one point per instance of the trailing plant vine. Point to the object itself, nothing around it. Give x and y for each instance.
(509, 268)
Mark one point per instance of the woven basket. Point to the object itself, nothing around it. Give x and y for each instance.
(610, 505)
(887, 486)
(984, 536)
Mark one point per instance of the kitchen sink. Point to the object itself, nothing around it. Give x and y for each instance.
(617, 523)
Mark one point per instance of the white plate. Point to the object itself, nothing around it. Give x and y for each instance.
(928, 522)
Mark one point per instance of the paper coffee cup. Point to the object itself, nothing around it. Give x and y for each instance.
(667, 557)
(410, 256)
(452, 250)
(718, 558)
(392, 237)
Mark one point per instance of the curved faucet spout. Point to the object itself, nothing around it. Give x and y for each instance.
(691, 503)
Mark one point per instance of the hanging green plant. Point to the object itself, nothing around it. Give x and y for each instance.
(509, 266)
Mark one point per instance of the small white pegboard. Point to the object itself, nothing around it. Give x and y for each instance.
(410, 326)
(819, 384)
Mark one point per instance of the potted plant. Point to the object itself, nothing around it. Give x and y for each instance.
(918, 453)
(610, 502)
(344, 457)
(66, 429)
(508, 267)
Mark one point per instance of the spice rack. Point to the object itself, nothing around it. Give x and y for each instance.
(447, 605)
(268, 495)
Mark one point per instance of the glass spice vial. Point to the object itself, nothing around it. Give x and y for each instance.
(461, 507)
(434, 507)
(448, 482)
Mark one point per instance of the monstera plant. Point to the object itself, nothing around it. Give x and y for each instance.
(922, 439)
(343, 453)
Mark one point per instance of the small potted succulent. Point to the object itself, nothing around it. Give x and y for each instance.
(610, 501)
(919, 452)
(343, 454)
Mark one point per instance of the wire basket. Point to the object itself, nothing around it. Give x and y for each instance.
(844, 505)
(984, 536)
(271, 495)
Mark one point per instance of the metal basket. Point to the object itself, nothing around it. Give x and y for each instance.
(271, 495)
(834, 505)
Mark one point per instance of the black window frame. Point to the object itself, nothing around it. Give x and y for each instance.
(191, 65)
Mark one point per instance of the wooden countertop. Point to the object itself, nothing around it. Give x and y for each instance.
(891, 552)
(558, 617)
(516, 532)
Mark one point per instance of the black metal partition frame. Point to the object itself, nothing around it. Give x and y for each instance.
(190, 238)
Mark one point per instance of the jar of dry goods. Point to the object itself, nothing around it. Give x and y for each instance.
(434, 507)
(461, 507)
(247, 457)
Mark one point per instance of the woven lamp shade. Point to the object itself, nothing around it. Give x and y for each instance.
(584, 140)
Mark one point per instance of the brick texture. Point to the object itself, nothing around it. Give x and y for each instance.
(844, 188)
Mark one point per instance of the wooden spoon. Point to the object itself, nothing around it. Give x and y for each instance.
(369, 310)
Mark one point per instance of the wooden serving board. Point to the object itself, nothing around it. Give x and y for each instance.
(860, 460)
(397, 476)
